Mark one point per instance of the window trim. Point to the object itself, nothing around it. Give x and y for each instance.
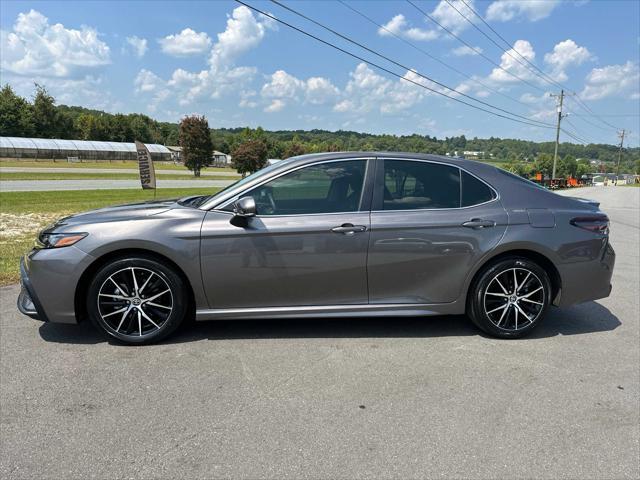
(379, 190)
(365, 196)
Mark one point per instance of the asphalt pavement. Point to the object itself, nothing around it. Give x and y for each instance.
(367, 398)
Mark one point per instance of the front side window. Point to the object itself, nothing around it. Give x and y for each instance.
(330, 187)
(412, 185)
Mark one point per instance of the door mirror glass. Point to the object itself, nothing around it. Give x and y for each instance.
(244, 207)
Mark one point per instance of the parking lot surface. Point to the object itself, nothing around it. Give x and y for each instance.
(366, 398)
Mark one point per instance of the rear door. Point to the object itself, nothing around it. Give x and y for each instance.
(430, 223)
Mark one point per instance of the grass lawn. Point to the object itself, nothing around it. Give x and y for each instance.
(24, 214)
(75, 175)
(115, 164)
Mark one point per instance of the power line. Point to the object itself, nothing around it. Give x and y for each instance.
(344, 37)
(576, 131)
(541, 74)
(424, 52)
(479, 52)
(610, 115)
(364, 47)
(586, 107)
(584, 119)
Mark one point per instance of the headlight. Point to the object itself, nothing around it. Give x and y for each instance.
(58, 240)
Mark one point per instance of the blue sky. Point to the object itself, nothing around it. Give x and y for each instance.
(217, 58)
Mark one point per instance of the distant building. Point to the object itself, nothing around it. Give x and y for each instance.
(469, 154)
(218, 159)
(58, 150)
(221, 159)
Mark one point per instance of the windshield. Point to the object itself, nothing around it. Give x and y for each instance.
(196, 202)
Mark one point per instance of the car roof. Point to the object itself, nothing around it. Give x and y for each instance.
(315, 157)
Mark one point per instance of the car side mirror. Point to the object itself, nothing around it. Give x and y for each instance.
(245, 207)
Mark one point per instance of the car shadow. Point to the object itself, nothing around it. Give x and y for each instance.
(580, 319)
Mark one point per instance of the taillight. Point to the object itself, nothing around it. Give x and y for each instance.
(593, 223)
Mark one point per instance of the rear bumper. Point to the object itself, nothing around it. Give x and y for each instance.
(587, 281)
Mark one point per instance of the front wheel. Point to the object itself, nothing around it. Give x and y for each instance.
(510, 297)
(137, 300)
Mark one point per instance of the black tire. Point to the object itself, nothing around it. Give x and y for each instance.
(109, 294)
(492, 305)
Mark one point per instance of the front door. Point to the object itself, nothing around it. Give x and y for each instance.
(430, 223)
(306, 246)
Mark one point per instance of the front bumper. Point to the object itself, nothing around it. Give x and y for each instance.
(49, 278)
(28, 302)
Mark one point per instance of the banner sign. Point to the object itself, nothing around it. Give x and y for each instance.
(147, 173)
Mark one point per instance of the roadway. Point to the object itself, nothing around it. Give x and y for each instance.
(366, 398)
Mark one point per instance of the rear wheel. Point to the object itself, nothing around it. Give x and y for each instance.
(137, 300)
(510, 297)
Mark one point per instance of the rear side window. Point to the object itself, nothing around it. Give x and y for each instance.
(474, 192)
(410, 185)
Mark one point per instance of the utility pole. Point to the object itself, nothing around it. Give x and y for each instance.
(555, 153)
(621, 135)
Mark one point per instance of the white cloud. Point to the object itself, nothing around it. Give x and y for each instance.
(275, 106)
(444, 13)
(367, 91)
(282, 85)
(466, 51)
(448, 17)
(509, 63)
(565, 54)
(399, 26)
(88, 91)
(532, 10)
(35, 47)
(138, 45)
(315, 90)
(243, 31)
(187, 42)
(147, 81)
(246, 97)
(620, 80)
(320, 90)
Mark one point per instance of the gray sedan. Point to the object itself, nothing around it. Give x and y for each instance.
(327, 235)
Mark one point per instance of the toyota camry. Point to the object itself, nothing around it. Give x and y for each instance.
(327, 235)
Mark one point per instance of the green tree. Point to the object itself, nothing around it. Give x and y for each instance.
(46, 118)
(15, 114)
(195, 140)
(250, 156)
(293, 149)
(544, 164)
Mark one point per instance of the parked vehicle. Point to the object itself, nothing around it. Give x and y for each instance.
(327, 235)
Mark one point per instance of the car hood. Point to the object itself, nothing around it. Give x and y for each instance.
(118, 213)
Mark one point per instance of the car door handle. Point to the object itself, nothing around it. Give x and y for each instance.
(349, 229)
(476, 223)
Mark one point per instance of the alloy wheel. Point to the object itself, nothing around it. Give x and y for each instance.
(514, 299)
(135, 301)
